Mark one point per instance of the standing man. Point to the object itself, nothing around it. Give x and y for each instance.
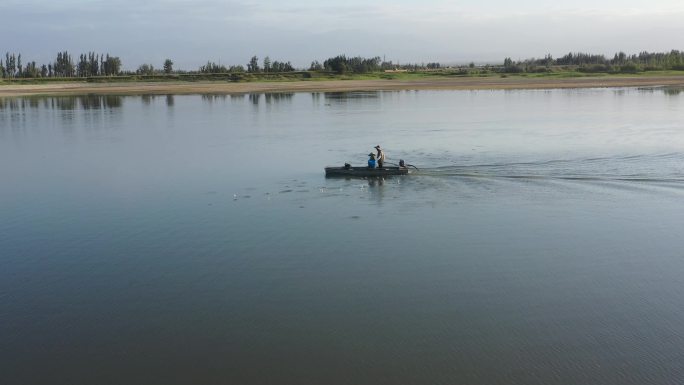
(380, 157)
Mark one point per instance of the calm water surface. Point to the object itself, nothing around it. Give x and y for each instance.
(195, 239)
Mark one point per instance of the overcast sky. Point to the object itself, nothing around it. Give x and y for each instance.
(190, 32)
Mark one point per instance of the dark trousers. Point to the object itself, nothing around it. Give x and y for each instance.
(380, 164)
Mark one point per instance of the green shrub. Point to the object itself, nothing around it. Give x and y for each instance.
(539, 70)
(594, 68)
(629, 68)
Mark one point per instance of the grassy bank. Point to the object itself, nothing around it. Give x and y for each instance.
(218, 77)
(318, 76)
(220, 84)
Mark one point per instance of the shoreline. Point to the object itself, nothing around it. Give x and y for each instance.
(219, 87)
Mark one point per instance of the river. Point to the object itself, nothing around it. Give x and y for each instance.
(195, 239)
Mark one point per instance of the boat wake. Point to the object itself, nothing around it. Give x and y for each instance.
(661, 168)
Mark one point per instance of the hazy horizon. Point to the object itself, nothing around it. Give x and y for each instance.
(403, 31)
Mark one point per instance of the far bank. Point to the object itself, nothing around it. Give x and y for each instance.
(404, 83)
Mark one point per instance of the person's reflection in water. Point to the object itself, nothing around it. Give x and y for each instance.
(376, 188)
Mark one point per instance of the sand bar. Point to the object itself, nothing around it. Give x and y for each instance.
(217, 87)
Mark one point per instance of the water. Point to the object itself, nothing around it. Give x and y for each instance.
(194, 239)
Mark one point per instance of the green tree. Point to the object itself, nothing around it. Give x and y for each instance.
(336, 64)
(315, 66)
(212, 68)
(267, 64)
(145, 69)
(10, 65)
(168, 66)
(93, 64)
(358, 64)
(31, 70)
(112, 65)
(82, 66)
(64, 66)
(253, 65)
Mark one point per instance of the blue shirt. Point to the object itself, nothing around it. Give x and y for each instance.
(371, 163)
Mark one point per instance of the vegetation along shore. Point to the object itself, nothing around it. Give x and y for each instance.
(102, 74)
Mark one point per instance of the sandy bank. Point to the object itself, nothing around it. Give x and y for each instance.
(470, 83)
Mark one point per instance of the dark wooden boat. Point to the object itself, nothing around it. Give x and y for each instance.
(363, 172)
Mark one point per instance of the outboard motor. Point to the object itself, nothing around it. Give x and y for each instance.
(401, 163)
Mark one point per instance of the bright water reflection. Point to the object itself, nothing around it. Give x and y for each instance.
(193, 239)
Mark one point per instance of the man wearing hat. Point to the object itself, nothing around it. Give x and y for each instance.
(380, 157)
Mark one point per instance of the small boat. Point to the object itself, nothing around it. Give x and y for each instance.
(365, 171)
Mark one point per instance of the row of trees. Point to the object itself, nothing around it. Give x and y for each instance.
(12, 67)
(358, 65)
(268, 65)
(213, 68)
(341, 64)
(90, 64)
(253, 66)
(94, 64)
(148, 69)
(673, 60)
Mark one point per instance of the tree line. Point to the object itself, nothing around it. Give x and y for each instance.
(93, 64)
(253, 66)
(89, 64)
(342, 64)
(585, 62)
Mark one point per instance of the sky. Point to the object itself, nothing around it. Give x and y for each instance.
(230, 32)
